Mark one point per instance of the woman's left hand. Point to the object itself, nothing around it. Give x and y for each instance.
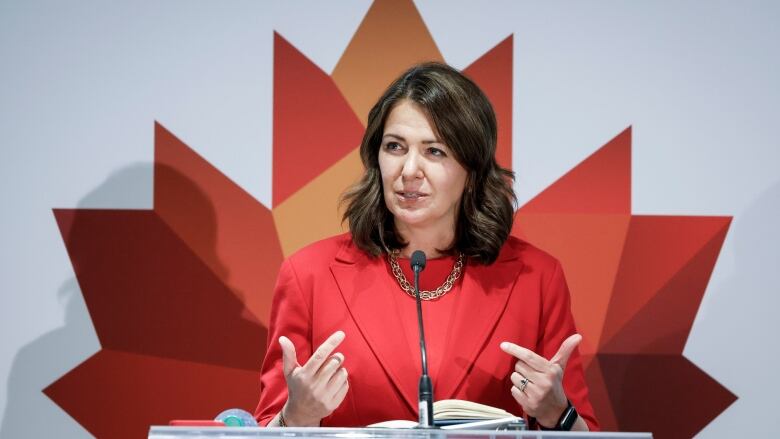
(541, 396)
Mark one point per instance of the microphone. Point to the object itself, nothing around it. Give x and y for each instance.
(425, 389)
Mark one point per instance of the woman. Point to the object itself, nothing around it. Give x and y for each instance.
(497, 316)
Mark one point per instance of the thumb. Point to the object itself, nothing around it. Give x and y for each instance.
(567, 347)
(289, 358)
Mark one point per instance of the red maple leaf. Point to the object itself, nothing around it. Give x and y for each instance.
(179, 295)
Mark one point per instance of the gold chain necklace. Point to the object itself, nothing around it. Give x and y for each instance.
(392, 257)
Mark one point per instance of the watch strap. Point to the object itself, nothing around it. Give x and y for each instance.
(567, 419)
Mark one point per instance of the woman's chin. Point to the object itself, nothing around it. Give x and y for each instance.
(412, 218)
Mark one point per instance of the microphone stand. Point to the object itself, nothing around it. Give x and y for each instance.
(425, 389)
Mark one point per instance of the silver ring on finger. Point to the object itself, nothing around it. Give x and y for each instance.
(523, 383)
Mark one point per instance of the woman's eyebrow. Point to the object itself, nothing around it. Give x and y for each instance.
(398, 137)
(395, 136)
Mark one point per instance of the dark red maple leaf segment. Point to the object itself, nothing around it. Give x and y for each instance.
(177, 338)
(147, 293)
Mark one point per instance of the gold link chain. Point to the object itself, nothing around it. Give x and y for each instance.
(392, 257)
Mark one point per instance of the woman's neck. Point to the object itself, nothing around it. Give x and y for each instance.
(429, 240)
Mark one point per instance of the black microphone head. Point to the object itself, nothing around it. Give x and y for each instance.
(418, 261)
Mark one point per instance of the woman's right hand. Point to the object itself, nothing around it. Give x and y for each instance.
(318, 387)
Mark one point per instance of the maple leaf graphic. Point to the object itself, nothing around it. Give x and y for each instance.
(180, 295)
(636, 284)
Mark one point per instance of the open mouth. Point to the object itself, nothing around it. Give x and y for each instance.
(411, 195)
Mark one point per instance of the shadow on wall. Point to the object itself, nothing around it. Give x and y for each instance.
(29, 412)
(160, 303)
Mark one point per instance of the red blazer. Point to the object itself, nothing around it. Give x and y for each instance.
(331, 285)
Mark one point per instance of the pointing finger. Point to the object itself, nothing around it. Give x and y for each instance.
(567, 347)
(525, 355)
(330, 367)
(323, 352)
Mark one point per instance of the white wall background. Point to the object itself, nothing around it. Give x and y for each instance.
(82, 82)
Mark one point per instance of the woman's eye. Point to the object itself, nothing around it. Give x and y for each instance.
(437, 152)
(392, 146)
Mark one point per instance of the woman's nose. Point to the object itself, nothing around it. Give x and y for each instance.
(412, 166)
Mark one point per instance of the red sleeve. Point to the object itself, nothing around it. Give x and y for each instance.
(557, 324)
(291, 317)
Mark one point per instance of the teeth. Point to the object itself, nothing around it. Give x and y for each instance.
(411, 194)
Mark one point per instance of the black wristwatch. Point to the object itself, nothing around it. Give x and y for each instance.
(567, 419)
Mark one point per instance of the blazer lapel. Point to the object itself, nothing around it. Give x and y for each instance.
(363, 284)
(485, 292)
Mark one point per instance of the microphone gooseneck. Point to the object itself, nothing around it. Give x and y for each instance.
(425, 389)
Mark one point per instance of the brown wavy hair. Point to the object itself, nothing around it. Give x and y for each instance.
(464, 119)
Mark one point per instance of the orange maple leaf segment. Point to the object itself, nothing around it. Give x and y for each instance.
(582, 219)
(391, 37)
